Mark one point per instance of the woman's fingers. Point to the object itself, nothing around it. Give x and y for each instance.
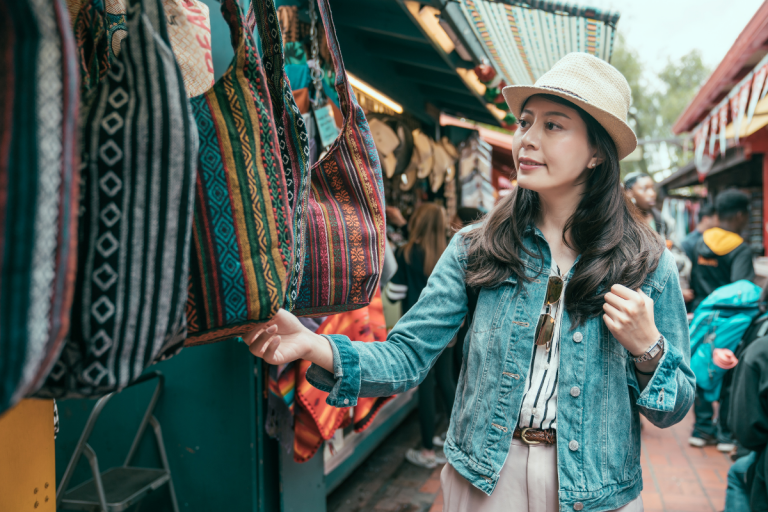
(615, 301)
(615, 315)
(624, 292)
(270, 349)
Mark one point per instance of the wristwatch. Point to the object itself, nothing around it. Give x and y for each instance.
(651, 352)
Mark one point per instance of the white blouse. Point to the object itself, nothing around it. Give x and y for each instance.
(539, 406)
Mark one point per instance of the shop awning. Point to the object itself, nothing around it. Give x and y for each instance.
(523, 40)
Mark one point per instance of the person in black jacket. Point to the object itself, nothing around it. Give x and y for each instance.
(748, 420)
(721, 257)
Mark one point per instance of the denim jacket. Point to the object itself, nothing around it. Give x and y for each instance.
(598, 425)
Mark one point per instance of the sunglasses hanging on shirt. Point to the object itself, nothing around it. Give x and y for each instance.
(545, 329)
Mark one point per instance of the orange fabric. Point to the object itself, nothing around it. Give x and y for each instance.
(301, 97)
(315, 419)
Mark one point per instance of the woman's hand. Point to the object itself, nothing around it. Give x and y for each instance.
(285, 339)
(629, 317)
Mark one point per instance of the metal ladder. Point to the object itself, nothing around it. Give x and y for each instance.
(117, 488)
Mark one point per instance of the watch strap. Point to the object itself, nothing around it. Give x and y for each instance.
(651, 352)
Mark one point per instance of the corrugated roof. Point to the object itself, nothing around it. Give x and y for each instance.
(523, 40)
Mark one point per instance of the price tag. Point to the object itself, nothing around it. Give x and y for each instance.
(326, 125)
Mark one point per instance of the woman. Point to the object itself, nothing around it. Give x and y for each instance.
(545, 418)
(641, 191)
(415, 262)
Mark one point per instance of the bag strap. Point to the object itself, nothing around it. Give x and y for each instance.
(271, 44)
(233, 15)
(341, 82)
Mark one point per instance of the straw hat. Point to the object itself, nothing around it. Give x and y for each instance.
(423, 154)
(592, 84)
(386, 142)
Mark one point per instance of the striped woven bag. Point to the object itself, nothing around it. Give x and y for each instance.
(139, 166)
(38, 190)
(243, 231)
(291, 132)
(345, 219)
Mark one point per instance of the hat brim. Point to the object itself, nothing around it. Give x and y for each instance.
(623, 136)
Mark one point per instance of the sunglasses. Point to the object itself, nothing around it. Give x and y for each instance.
(545, 329)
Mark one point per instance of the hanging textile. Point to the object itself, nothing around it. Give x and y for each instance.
(243, 239)
(345, 218)
(189, 28)
(38, 190)
(139, 148)
(317, 421)
(291, 132)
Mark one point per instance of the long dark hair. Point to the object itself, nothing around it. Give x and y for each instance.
(616, 246)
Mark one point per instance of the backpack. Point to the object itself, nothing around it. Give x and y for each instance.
(720, 321)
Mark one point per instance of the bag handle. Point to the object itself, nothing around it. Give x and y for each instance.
(341, 82)
(271, 44)
(233, 15)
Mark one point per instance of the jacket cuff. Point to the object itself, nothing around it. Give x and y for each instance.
(343, 385)
(660, 394)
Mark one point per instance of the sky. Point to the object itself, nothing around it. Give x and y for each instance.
(661, 29)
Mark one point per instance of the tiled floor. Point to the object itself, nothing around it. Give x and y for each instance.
(677, 477)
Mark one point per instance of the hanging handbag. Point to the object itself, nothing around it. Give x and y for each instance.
(243, 238)
(189, 29)
(345, 219)
(291, 132)
(139, 148)
(38, 190)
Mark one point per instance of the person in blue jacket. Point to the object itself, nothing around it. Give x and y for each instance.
(579, 323)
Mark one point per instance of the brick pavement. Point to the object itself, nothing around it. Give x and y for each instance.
(677, 477)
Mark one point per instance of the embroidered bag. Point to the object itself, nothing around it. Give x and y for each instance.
(243, 233)
(291, 132)
(38, 190)
(139, 148)
(345, 219)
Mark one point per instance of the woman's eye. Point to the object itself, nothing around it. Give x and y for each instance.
(523, 123)
(551, 126)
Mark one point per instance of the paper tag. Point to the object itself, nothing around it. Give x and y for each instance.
(326, 125)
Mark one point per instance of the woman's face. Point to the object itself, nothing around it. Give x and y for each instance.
(550, 147)
(643, 193)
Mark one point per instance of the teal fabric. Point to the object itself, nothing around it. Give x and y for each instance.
(720, 321)
(598, 430)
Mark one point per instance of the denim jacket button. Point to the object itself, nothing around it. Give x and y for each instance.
(575, 391)
(346, 401)
(578, 506)
(577, 337)
(573, 445)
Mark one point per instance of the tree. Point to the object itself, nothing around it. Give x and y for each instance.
(655, 109)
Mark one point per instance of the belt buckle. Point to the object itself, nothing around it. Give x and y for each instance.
(527, 441)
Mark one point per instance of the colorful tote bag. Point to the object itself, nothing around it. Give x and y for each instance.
(291, 132)
(38, 190)
(139, 166)
(345, 219)
(243, 231)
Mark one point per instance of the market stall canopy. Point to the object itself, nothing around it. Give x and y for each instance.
(423, 54)
(523, 40)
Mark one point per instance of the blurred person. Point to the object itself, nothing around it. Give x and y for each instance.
(577, 325)
(707, 219)
(748, 419)
(415, 262)
(640, 189)
(721, 257)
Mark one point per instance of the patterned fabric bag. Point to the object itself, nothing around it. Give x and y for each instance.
(345, 219)
(189, 27)
(139, 150)
(38, 190)
(291, 132)
(243, 231)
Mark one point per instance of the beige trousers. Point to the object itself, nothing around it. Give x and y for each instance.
(527, 483)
